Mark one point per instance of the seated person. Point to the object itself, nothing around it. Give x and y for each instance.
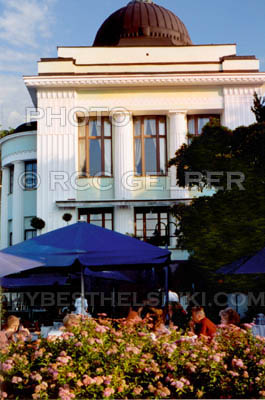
(229, 316)
(201, 325)
(134, 315)
(177, 315)
(13, 331)
(156, 316)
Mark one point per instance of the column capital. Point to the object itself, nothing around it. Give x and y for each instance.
(175, 112)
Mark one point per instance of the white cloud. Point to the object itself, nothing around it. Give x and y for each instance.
(14, 99)
(23, 22)
(12, 60)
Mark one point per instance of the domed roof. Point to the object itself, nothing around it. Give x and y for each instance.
(26, 127)
(142, 23)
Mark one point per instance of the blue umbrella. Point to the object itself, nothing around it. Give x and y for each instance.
(87, 244)
(246, 265)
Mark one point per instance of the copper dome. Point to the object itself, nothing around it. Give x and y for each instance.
(142, 23)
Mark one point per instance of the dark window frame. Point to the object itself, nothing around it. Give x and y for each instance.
(196, 121)
(29, 230)
(33, 178)
(10, 238)
(102, 211)
(142, 136)
(11, 179)
(101, 138)
(155, 210)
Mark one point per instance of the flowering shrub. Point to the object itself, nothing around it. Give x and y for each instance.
(106, 359)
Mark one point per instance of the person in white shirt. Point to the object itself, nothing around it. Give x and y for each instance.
(78, 306)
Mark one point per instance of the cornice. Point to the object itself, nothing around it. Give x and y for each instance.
(19, 156)
(138, 80)
(239, 91)
(17, 135)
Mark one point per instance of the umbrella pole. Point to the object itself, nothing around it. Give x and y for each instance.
(82, 291)
(166, 292)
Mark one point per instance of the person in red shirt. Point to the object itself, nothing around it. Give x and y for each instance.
(201, 325)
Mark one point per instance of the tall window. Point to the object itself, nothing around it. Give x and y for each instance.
(150, 155)
(95, 146)
(30, 233)
(151, 225)
(11, 179)
(100, 217)
(197, 122)
(30, 175)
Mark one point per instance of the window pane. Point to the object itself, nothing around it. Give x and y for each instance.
(108, 216)
(137, 127)
(150, 156)
(138, 156)
(82, 130)
(107, 128)
(201, 123)
(150, 127)
(82, 156)
(29, 234)
(152, 216)
(94, 128)
(191, 126)
(97, 223)
(163, 216)
(94, 157)
(139, 216)
(108, 224)
(95, 217)
(162, 127)
(139, 225)
(107, 145)
(162, 142)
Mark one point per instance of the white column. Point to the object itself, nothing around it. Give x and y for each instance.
(123, 154)
(4, 207)
(124, 219)
(18, 202)
(177, 137)
(237, 106)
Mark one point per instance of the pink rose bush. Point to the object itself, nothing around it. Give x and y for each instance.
(108, 360)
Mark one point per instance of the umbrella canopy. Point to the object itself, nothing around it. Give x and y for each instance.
(33, 280)
(90, 245)
(246, 265)
(13, 263)
(19, 280)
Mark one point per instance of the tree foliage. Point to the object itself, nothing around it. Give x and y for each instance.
(259, 108)
(220, 229)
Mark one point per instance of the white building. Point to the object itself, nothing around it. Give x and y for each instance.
(110, 116)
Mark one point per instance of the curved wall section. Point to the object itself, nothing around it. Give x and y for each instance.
(19, 147)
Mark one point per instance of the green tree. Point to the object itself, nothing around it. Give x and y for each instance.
(259, 108)
(222, 228)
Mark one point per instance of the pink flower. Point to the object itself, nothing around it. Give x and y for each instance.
(216, 358)
(178, 384)
(16, 379)
(108, 392)
(98, 380)
(137, 390)
(261, 362)
(101, 329)
(88, 380)
(7, 366)
(78, 344)
(36, 377)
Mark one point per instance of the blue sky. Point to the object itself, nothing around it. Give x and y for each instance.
(30, 29)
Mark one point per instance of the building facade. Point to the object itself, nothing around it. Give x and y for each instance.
(110, 117)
